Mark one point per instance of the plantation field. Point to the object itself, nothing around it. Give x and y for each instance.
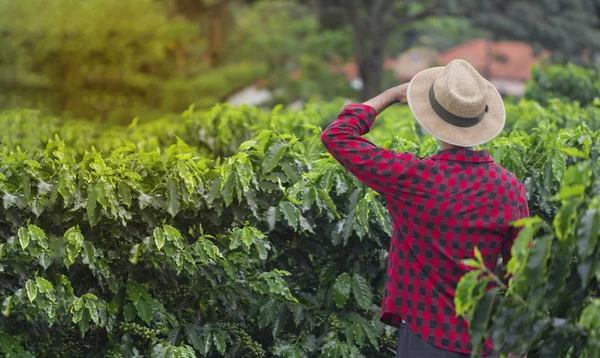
(230, 232)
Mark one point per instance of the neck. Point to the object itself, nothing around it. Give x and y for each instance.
(450, 146)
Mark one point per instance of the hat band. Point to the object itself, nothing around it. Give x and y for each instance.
(451, 118)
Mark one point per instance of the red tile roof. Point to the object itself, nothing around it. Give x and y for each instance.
(510, 59)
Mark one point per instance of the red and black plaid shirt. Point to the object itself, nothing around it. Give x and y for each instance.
(441, 208)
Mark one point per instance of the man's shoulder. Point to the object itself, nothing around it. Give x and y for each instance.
(510, 178)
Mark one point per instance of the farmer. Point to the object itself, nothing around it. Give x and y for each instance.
(442, 207)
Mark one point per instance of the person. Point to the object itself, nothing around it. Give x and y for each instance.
(442, 207)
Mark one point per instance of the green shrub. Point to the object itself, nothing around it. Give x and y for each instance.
(565, 83)
(264, 246)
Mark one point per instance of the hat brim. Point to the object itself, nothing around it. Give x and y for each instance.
(418, 101)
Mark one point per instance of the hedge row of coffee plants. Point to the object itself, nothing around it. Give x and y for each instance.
(243, 238)
(566, 83)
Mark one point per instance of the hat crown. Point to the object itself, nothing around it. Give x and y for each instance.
(461, 90)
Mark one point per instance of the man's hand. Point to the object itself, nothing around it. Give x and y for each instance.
(400, 93)
(389, 97)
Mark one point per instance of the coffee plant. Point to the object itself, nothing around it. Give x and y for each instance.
(234, 234)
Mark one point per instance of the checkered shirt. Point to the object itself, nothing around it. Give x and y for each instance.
(442, 207)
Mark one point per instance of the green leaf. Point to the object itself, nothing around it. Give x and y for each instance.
(7, 304)
(471, 263)
(362, 213)
(520, 248)
(290, 171)
(308, 198)
(291, 213)
(37, 235)
(481, 316)
(246, 237)
(263, 247)
(527, 221)
(129, 312)
(92, 309)
(23, 237)
(587, 232)
(341, 289)
(537, 260)
(134, 254)
(362, 292)
(272, 217)
(219, 342)
(125, 193)
(328, 273)
(91, 206)
(173, 337)
(84, 322)
(574, 152)
(273, 156)
(298, 311)
(328, 202)
(43, 285)
(350, 219)
(159, 238)
(89, 253)
(207, 343)
(211, 250)
(267, 313)
(372, 338)
(74, 241)
(227, 188)
(193, 335)
(173, 197)
(31, 288)
(564, 219)
(173, 236)
(478, 256)
(463, 300)
(144, 310)
(236, 238)
(590, 317)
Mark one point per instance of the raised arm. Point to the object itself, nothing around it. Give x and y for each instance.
(374, 166)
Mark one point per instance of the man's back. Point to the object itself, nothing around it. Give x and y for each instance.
(442, 208)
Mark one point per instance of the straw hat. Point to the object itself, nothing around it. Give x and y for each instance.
(455, 104)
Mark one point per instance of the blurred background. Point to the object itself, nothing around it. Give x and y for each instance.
(113, 60)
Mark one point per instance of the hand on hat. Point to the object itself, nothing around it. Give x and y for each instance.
(400, 93)
(384, 100)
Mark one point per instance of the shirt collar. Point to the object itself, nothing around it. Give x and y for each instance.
(464, 155)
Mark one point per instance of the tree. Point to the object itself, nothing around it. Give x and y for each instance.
(211, 16)
(298, 52)
(565, 27)
(85, 57)
(373, 22)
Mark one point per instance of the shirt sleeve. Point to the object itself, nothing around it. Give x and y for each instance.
(376, 167)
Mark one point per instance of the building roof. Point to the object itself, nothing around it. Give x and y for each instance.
(413, 61)
(509, 59)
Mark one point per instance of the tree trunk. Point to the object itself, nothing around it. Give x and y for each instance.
(370, 65)
(215, 40)
(316, 8)
(371, 33)
(370, 70)
(217, 33)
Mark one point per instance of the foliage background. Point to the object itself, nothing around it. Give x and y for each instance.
(141, 216)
